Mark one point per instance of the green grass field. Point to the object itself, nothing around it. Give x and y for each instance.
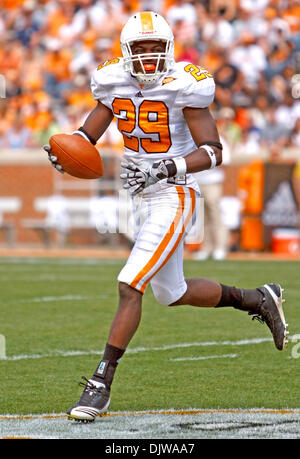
(56, 314)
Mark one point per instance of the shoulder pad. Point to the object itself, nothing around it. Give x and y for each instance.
(197, 85)
(106, 75)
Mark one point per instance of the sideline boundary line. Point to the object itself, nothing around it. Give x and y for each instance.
(25, 417)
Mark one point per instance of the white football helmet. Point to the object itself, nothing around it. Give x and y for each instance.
(142, 26)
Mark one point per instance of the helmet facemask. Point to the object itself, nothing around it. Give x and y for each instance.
(147, 66)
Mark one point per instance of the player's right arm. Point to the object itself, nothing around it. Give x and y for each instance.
(93, 128)
(101, 116)
(97, 121)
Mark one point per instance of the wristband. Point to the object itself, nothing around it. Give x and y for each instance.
(174, 170)
(180, 164)
(212, 156)
(85, 135)
(213, 144)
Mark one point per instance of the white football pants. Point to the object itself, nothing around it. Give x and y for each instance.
(163, 215)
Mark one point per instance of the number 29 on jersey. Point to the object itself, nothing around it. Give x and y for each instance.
(152, 117)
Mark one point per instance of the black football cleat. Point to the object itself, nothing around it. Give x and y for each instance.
(270, 311)
(94, 401)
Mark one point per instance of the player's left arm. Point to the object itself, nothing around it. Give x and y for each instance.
(205, 134)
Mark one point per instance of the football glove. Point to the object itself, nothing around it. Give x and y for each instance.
(139, 176)
(53, 159)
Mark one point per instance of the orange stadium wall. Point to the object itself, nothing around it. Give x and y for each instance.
(26, 181)
(28, 175)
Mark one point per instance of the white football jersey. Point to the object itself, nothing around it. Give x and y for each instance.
(150, 117)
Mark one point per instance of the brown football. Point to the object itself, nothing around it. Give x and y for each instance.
(77, 156)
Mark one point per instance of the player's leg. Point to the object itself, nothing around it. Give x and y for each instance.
(127, 318)
(169, 285)
(263, 303)
(95, 398)
(161, 232)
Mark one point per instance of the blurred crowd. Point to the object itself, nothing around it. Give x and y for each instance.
(49, 48)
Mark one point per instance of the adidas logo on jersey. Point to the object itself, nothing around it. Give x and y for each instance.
(139, 94)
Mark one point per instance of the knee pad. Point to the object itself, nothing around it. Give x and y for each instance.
(165, 295)
(162, 296)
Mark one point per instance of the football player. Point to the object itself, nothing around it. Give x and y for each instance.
(162, 111)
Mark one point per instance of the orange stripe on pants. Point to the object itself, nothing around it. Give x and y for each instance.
(187, 220)
(160, 249)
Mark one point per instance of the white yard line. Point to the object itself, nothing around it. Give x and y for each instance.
(53, 298)
(54, 278)
(71, 353)
(49, 299)
(14, 261)
(205, 357)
